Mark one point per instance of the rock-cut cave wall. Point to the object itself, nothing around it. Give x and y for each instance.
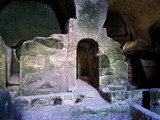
(23, 20)
(139, 15)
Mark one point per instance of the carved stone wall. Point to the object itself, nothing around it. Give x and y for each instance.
(43, 65)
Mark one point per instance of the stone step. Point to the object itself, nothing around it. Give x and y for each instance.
(121, 100)
(118, 96)
(26, 102)
(66, 106)
(93, 103)
(14, 79)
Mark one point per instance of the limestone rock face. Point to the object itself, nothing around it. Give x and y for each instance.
(41, 46)
(5, 63)
(121, 100)
(2, 67)
(155, 100)
(43, 65)
(91, 15)
(54, 63)
(112, 68)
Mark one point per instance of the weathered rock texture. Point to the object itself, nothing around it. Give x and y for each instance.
(138, 112)
(138, 15)
(91, 15)
(43, 66)
(155, 100)
(5, 63)
(113, 70)
(55, 62)
(2, 67)
(121, 100)
(6, 109)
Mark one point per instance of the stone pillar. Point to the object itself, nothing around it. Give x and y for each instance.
(91, 16)
(2, 66)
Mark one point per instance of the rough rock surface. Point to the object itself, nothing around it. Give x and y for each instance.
(155, 100)
(2, 66)
(112, 69)
(43, 66)
(91, 107)
(91, 15)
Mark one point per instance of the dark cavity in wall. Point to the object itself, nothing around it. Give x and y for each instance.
(117, 28)
(146, 100)
(88, 62)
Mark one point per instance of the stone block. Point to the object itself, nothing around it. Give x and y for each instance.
(5, 62)
(2, 66)
(140, 113)
(121, 100)
(2, 71)
(38, 73)
(43, 67)
(90, 18)
(119, 96)
(155, 100)
(26, 102)
(41, 46)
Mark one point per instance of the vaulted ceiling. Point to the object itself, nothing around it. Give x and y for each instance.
(139, 15)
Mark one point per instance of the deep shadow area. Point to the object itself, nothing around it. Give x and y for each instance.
(146, 100)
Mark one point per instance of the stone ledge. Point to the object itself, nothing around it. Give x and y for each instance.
(26, 102)
(121, 100)
(140, 113)
(120, 96)
(155, 100)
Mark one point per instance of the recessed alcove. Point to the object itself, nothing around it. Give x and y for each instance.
(88, 62)
(117, 28)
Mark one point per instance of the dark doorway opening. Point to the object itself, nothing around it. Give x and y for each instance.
(88, 62)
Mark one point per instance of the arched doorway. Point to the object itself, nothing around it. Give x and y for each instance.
(88, 62)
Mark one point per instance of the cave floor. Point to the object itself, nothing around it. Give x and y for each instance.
(93, 107)
(66, 112)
